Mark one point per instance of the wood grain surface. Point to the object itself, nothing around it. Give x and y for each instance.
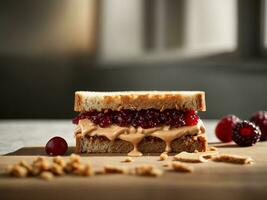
(209, 180)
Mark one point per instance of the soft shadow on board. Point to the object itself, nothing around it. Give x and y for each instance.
(40, 151)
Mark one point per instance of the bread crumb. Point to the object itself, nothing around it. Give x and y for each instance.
(82, 169)
(38, 159)
(208, 157)
(73, 167)
(166, 164)
(128, 159)
(213, 149)
(47, 176)
(189, 157)
(17, 171)
(75, 158)
(26, 165)
(87, 170)
(57, 169)
(198, 157)
(163, 156)
(99, 172)
(235, 159)
(40, 164)
(180, 167)
(35, 171)
(110, 169)
(44, 169)
(147, 170)
(59, 160)
(74, 164)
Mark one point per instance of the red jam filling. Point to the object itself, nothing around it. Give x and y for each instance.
(148, 118)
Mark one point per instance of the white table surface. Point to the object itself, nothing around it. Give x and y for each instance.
(15, 134)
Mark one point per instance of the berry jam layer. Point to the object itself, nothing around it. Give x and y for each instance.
(149, 118)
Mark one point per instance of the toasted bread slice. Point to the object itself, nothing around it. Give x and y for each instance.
(150, 144)
(137, 100)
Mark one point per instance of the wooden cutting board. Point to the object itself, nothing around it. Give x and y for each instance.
(209, 180)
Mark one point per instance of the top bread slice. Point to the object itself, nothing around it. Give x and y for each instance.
(137, 100)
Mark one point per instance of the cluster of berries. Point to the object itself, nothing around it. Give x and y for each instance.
(244, 133)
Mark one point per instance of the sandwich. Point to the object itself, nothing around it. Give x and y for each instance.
(139, 122)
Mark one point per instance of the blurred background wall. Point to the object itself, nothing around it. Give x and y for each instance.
(49, 49)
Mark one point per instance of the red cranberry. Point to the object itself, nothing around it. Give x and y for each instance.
(105, 120)
(179, 122)
(166, 117)
(56, 146)
(128, 116)
(145, 124)
(135, 123)
(75, 120)
(260, 119)
(191, 118)
(224, 128)
(120, 118)
(162, 117)
(94, 117)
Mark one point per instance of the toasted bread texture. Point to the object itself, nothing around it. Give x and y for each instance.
(150, 144)
(137, 100)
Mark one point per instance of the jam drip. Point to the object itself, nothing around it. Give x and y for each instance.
(148, 118)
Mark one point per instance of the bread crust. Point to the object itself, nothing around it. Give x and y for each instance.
(181, 100)
(150, 144)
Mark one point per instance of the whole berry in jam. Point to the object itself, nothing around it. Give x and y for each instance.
(191, 118)
(260, 119)
(56, 146)
(76, 119)
(224, 128)
(105, 121)
(246, 133)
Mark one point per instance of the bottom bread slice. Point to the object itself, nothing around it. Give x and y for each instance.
(150, 144)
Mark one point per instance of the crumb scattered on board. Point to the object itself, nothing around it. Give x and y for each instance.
(163, 156)
(47, 175)
(168, 164)
(213, 148)
(236, 159)
(111, 169)
(147, 170)
(196, 157)
(181, 167)
(128, 159)
(43, 168)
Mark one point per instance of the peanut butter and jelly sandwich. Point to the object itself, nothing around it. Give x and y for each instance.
(139, 122)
